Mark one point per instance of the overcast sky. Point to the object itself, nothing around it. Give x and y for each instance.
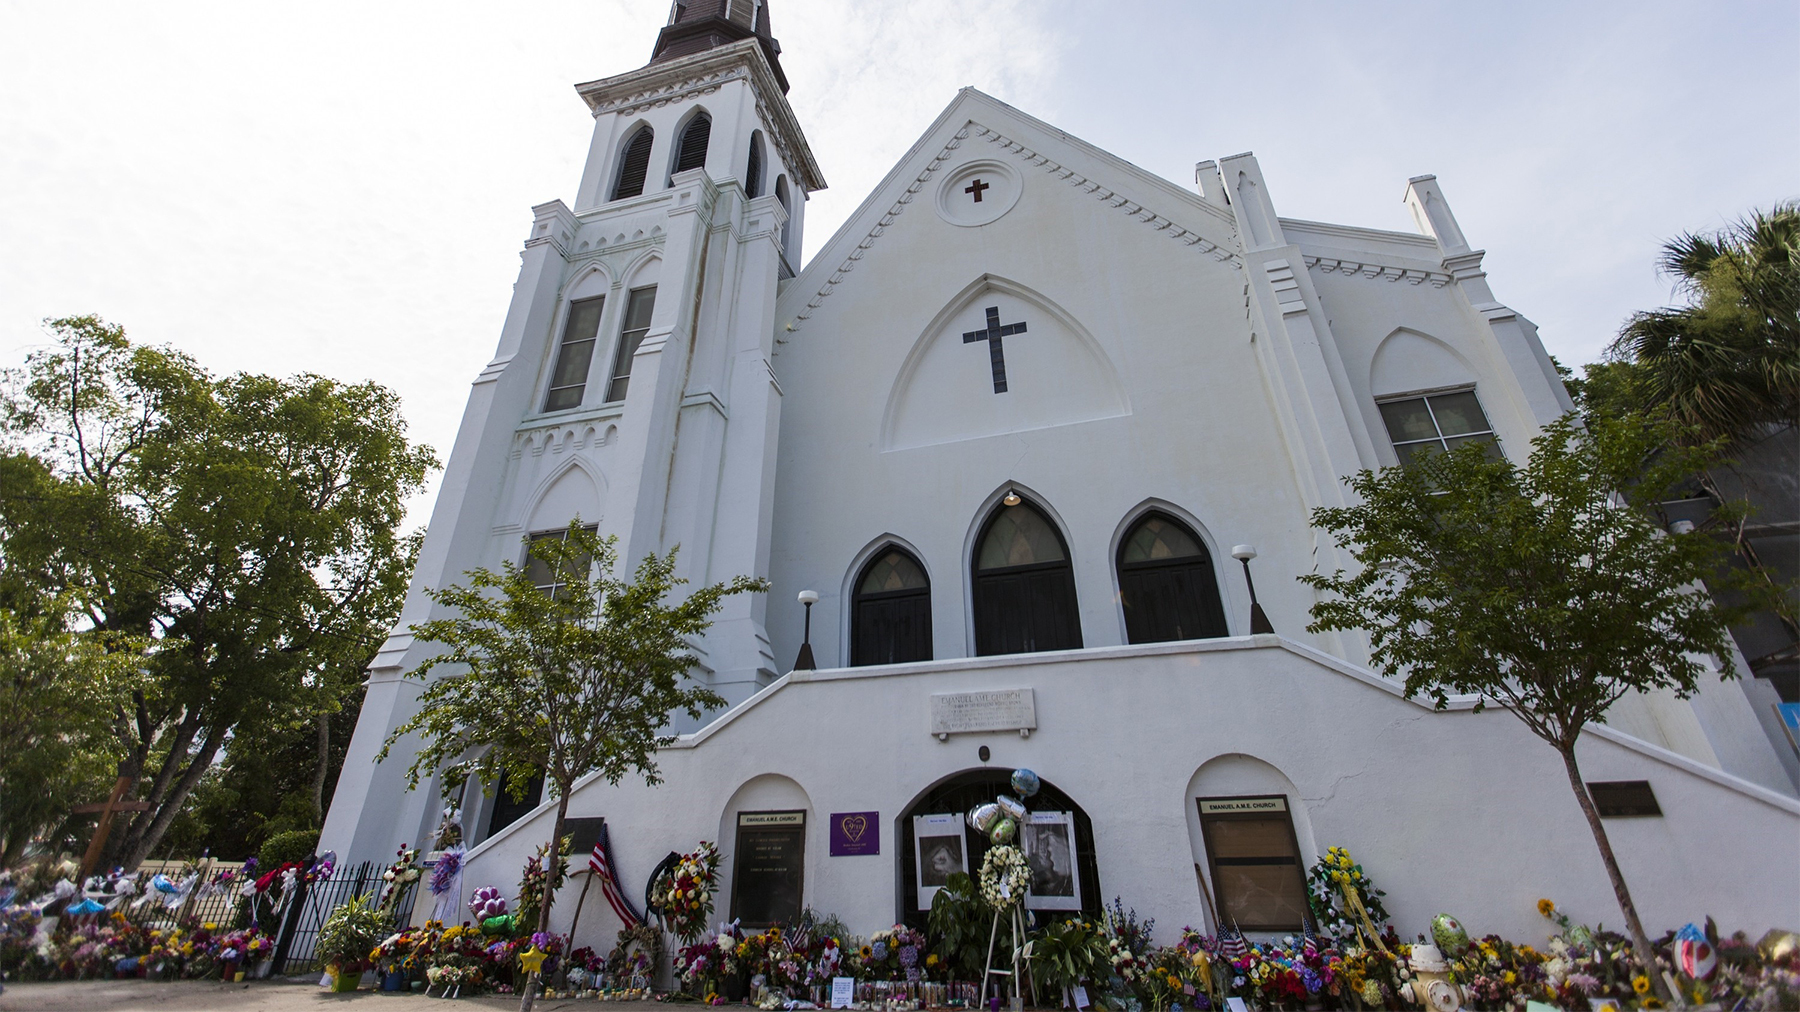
(344, 188)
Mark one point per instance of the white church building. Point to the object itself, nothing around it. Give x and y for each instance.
(1011, 427)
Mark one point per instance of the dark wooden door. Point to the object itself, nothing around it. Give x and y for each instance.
(1023, 609)
(892, 628)
(1171, 601)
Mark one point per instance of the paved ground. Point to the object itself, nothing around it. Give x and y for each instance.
(260, 996)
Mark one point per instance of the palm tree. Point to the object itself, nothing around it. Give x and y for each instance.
(1728, 364)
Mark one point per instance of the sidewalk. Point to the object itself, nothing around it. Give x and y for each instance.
(258, 996)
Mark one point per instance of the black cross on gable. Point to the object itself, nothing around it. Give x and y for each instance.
(992, 336)
(975, 188)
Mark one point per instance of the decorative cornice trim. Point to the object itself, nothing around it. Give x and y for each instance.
(1411, 275)
(1186, 237)
(702, 74)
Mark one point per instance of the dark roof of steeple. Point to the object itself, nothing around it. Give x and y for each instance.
(698, 25)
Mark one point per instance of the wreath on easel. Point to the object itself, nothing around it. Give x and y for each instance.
(1005, 877)
(644, 939)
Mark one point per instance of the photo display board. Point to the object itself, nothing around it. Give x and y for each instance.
(942, 851)
(768, 868)
(1048, 839)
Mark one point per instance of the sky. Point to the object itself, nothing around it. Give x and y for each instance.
(343, 188)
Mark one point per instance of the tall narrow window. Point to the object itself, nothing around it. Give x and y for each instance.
(637, 323)
(1166, 583)
(691, 152)
(1024, 587)
(546, 577)
(1255, 858)
(781, 194)
(892, 612)
(753, 171)
(635, 165)
(1420, 426)
(569, 378)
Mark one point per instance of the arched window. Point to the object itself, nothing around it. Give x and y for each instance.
(635, 165)
(781, 194)
(1024, 586)
(1166, 583)
(891, 614)
(753, 171)
(691, 152)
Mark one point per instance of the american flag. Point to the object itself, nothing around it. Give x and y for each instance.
(601, 864)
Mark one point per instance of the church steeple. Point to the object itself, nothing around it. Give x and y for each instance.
(698, 25)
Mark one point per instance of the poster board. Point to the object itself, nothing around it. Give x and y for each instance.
(940, 850)
(1048, 840)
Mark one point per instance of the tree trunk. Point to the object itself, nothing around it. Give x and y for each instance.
(171, 805)
(318, 779)
(1639, 941)
(527, 994)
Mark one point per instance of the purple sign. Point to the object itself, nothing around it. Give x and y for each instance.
(855, 833)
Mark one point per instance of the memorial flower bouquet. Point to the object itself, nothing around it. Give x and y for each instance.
(404, 871)
(1005, 877)
(684, 894)
(1342, 897)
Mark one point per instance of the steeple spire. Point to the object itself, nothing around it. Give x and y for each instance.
(698, 25)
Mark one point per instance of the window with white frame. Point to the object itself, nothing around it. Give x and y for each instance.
(1433, 423)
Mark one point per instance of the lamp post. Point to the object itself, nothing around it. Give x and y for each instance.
(1259, 622)
(804, 662)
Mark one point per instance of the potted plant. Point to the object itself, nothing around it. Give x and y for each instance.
(346, 940)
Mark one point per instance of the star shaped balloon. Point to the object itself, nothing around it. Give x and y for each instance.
(533, 960)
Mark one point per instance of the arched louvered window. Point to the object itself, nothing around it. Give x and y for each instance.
(1166, 583)
(891, 613)
(781, 194)
(635, 165)
(691, 152)
(1024, 587)
(753, 171)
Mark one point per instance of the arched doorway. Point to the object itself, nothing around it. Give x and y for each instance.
(960, 792)
(891, 611)
(1166, 583)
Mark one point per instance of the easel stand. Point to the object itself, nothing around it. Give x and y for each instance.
(1016, 973)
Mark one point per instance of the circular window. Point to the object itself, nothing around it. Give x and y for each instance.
(977, 193)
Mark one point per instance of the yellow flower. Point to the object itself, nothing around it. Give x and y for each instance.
(1640, 984)
(1546, 908)
(931, 960)
(210, 926)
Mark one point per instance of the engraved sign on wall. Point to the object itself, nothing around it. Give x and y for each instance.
(768, 868)
(992, 710)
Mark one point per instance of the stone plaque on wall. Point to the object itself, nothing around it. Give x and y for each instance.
(992, 710)
(768, 868)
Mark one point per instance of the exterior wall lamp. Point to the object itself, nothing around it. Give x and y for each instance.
(1259, 622)
(804, 662)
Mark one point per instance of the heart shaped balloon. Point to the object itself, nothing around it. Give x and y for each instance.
(1025, 782)
(983, 817)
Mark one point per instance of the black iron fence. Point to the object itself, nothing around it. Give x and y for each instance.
(297, 936)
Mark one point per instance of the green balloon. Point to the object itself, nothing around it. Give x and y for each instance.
(1449, 935)
(1003, 832)
(501, 925)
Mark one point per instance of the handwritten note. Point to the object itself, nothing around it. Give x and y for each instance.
(843, 992)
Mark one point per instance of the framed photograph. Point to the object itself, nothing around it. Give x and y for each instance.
(1049, 844)
(941, 851)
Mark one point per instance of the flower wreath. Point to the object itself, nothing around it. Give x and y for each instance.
(643, 938)
(1005, 877)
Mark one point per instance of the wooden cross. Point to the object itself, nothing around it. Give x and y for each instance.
(975, 188)
(103, 829)
(992, 335)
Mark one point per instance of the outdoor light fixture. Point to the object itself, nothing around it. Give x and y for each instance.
(1012, 498)
(1259, 622)
(804, 662)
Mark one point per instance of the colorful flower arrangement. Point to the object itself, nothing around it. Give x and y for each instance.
(1342, 898)
(403, 872)
(684, 894)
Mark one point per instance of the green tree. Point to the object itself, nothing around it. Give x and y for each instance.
(1546, 588)
(248, 525)
(57, 689)
(1727, 365)
(566, 685)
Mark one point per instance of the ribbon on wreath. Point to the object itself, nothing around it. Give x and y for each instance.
(1365, 925)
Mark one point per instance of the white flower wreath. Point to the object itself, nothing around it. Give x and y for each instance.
(1005, 877)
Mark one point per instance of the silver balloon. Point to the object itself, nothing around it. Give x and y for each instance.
(1025, 782)
(983, 817)
(1003, 832)
(1013, 807)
